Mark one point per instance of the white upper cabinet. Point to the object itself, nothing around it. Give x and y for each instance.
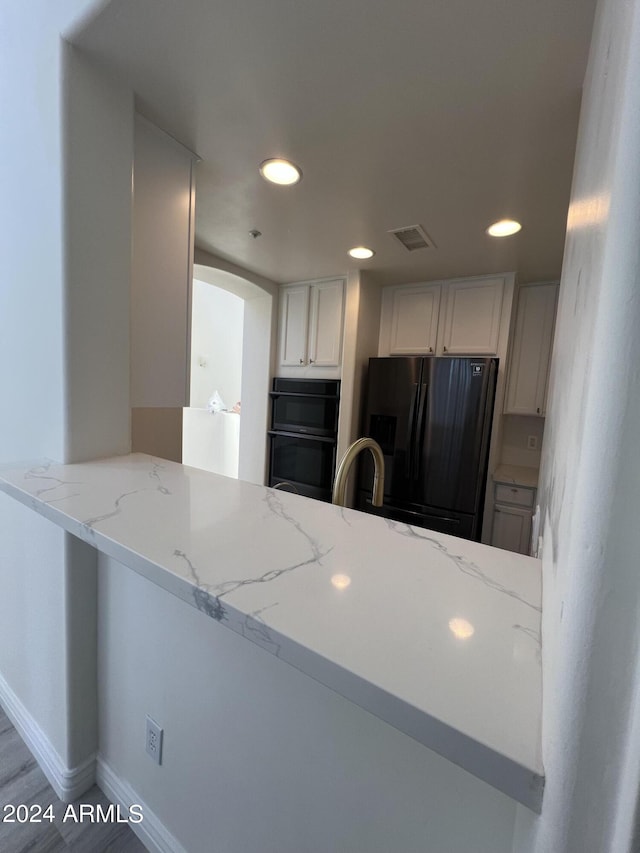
(325, 323)
(162, 269)
(457, 317)
(311, 324)
(472, 311)
(414, 319)
(531, 350)
(294, 324)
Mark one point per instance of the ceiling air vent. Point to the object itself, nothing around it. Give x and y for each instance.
(413, 237)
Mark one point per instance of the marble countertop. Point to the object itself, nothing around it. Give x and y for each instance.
(517, 475)
(438, 636)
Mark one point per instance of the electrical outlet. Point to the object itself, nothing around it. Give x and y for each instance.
(532, 442)
(153, 744)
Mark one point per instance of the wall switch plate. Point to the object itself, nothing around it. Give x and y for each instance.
(532, 442)
(153, 743)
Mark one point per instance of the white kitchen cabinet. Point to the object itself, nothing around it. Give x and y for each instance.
(511, 528)
(162, 269)
(512, 513)
(517, 495)
(456, 317)
(414, 319)
(531, 350)
(311, 324)
(325, 323)
(294, 325)
(472, 311)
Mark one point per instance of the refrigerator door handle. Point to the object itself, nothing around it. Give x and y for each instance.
(419, 435)
(411, 431)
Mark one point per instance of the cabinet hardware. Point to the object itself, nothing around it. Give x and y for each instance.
(310, 361)
(430, 349)
(301, 361)
(444, 349)
(538, 411)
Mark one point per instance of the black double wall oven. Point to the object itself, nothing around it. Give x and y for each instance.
(303, 435)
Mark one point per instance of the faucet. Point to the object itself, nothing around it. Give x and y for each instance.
(344, 468)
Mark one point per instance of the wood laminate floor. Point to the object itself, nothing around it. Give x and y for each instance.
(22, 781)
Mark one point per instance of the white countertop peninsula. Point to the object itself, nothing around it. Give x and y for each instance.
(363, 605)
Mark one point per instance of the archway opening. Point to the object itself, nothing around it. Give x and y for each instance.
(224, 428)
(211, 423)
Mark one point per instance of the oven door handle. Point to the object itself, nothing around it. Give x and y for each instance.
(298, 394)
(303, 435)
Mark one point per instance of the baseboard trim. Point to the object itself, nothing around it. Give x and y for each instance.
(69, 783)
(151, 831)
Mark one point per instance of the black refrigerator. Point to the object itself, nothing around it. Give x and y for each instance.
(432, 418)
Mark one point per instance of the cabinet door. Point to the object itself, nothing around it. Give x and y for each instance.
(325, 323)
(161, 270)
(472, 317)
(511, 529)
(294, 320)
(531, 350)
(414, 320)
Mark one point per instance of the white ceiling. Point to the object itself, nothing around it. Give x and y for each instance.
(446, 113)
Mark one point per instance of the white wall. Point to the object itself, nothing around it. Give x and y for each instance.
(217, 322)
(258, 341)
(515, 431)
(361, 331)
(211, 441)
(346, 427)
(97, 161)
(64, 140)
(31, 353)
(590, 481)
(31, 294)
(257, 755)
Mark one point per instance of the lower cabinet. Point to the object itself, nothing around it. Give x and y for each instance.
(512, 513)
(511, 528)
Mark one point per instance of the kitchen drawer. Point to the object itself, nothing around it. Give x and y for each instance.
(514, 495)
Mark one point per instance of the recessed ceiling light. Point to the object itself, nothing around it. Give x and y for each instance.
(461, 628)
(280, 171)
(341, 581)
(361, 252)
(504, 228)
